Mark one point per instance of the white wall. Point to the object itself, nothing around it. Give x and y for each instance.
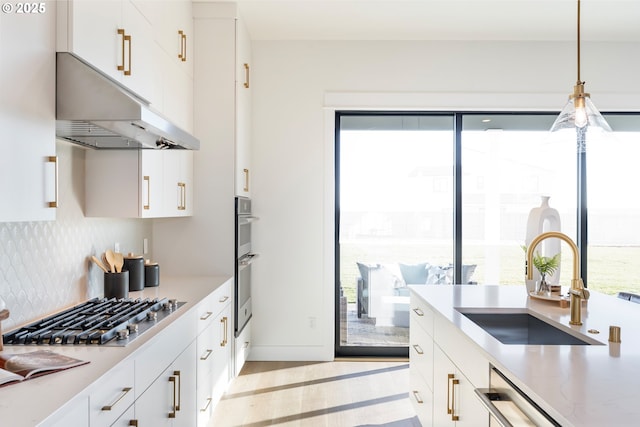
(297, 85)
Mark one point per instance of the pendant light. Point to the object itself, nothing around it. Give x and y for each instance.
(579, 112)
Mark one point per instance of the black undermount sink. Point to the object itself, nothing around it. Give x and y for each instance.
(521, 329)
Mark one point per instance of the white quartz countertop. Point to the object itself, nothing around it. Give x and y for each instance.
(30, 402)
(580, 385)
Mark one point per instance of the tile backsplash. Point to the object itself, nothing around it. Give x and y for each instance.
(45, 266)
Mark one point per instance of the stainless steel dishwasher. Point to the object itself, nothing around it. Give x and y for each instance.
(509, 406)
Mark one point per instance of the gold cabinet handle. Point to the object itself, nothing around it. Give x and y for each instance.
(454, 383)
(449, 405)
(246, 76)
(224, 335)
(127, 38)
(182, 195)
(206, 315)
(121, 33)
(417, 397)
(206, 354)
(54, 160)
(172, 414)
(245, 345)
(177, 374)
(122, 394)
(451, 393)
(209, 400)
(246, 180)
(418, 312)
(133, 423)
(418, 349)
(183, 46)
(148, 181)
(223, 299)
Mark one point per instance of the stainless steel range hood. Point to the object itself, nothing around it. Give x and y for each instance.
(95, 111)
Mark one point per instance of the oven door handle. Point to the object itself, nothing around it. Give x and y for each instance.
(247, 259)
(483, 395)
(244, 220)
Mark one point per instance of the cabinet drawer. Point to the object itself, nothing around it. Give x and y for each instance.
(421, 353)
(421, 314)
(112, 395)
(421, 398)
(204, 398)
(463, 352)
(243, 348)
(209, 308)
(161, 352)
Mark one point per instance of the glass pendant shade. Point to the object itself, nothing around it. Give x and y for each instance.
(578, 113)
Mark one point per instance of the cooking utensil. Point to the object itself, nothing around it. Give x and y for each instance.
(119, 261)
(110, 257)
(99, 263)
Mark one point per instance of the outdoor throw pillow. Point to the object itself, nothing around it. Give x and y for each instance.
(414, 274)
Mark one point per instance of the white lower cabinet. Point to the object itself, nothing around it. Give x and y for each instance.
(242, 348)
(214, 355)
(171, 399)
(445, 369)
(115, 394)
(174, 380)
(454, 399)
(75, 414)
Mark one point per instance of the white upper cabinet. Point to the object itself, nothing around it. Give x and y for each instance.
(177, 182)
(243, 110)
(144, 45)
(28, 163)
(114, 37)
(172, 23)
(139, 183)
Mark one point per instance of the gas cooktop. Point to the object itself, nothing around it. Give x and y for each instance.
(100, 321)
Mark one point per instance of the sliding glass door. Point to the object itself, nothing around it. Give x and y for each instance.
(426, 198)
(394, 223)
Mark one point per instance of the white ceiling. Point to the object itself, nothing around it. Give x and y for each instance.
(542, 20)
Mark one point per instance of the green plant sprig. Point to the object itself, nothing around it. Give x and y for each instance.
(545, 265)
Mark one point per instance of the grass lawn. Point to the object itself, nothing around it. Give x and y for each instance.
(612, 269)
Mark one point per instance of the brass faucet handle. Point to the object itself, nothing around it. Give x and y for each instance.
(578, 289)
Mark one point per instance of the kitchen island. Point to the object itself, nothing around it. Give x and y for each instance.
(48, 399)
(577, 385)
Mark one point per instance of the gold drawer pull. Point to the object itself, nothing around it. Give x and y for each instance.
(418, 312)
(418, 349)
(207, 354)
(206, 315)
(118, 399)
(223, 299)
(209, 400)
(416, 395)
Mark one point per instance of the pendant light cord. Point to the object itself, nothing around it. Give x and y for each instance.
(579, 81)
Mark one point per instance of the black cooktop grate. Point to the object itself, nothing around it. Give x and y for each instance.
(97, 321)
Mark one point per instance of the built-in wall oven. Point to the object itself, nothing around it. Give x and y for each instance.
(244, 258)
